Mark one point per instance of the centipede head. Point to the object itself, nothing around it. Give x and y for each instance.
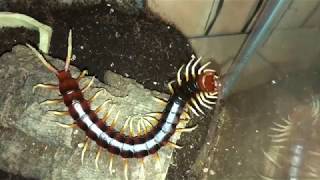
(63, 75)
(208, 81)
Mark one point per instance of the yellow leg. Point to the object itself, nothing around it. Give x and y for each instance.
(115, 119)
(82, 75)
(97, 158)
(202, 102)
(52, 101)
(73, 125)
(186, 129)
(59, 113)
(84, 89)
(194, 102)
(192, 109)
(171, 144)
(95, 96)
(107, 115)
(110, 164)
(185, 115)
(179, 75)
(157, 158)
(125, 126)
(142, 167)
(86, 144)
(170, 87)
(193, 68)
(160, 100)
(45, 86)
(125, 168)
(99, 108)
(187, 69)
(131, 128)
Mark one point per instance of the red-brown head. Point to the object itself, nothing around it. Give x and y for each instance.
(208, 82)
(63, 75)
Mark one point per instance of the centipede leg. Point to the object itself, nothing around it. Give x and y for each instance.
(170, 87)
(142, 166)
(95, 96)
(51, 101)
(73, 125)
(174, 145)
(110, 164)
(193, 68)
(181, 130)
(69, 52)
(59, 113)
(82, 75)
(125, 161)
(114, 122)
(160, 100)
(194, 102)
(192, 110)
(97, 158)
(157, 158)
(202, 102)
(85, 147)
(107, 115)
(99, 108)
(187, 69)
(84, 89)
(45, 86)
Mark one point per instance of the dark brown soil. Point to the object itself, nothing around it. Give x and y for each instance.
(136, 45)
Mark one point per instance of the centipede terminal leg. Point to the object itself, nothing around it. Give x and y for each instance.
(45, 86)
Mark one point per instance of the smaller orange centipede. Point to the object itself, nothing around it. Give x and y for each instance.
(197, 87)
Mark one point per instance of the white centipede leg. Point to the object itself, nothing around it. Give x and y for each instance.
(194, 102)
(42, 59)
(45, 86)
(190, 129)
(82, 75)
(125, 161)
(192, 109)
(97, 158)
(203, 67)
(179, 75)
(211, 96)
(187, 69)
(170, 87)
(125, 126)
(202, 102)
(142, 168)
(85, 147)
(73, 125)
(174, 145)
(273, 161)
(110, 164)
(185, 116)
(59, 113)
(84, 89)
(193, 68)
(69, 53)
(99, 108)
(131, 131)
(51, 101)
(156, 115)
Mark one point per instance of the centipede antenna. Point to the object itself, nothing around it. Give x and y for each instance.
(73, 125)
(95, 96)
(171, 144)
(115, 119)
(190, 129)
(97, 158)
(271, 159)
(46, 86)
(42, 59)
(187, 69)
(193, 67)
(125, 161)
(82, 75)
(179, 75)
(51, 101)
(84, 89)
(194, 102)
(69, 54)
(192, 110)
(314, 153)
(86, 144)
(59, 113)
(203, 67)
(99, 108)
(201, 94)
(202, 102)
(170, 87)
(110, 164)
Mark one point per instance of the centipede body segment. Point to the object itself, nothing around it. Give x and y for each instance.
(196, 87)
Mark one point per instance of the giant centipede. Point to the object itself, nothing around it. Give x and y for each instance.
(294, 151)
(195, 86)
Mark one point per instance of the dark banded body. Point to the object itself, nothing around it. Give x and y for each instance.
(111, 139)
